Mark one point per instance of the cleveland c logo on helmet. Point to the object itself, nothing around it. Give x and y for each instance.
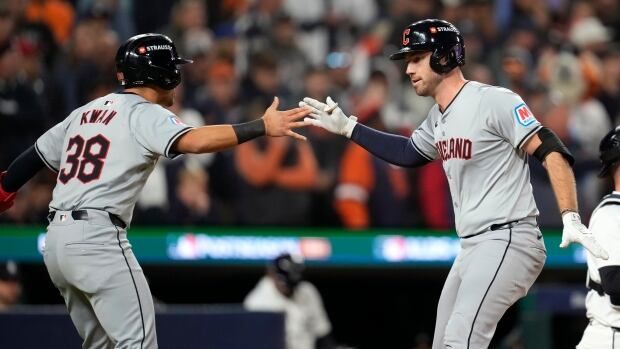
(440, 37)
(406, 36)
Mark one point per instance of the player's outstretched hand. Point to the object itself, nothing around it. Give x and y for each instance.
(6, 199)
(329, 116)
(280, 123)
(575, 231)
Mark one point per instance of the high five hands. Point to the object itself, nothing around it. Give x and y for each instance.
(329, 116)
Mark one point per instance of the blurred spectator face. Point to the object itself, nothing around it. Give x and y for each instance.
(481, 73)
(567, 78)
(265, 75)
(524, 38)
(581, 9)
(10, 291)
(514, 69)
(9, 62)
(30, 55)
(222, 82)
(526, 5)
(107, 45)
(191, 14)
(420, 8)
(84, 45)
(7, 24)
(284, 32)
(474, 49)
(373, 98)
(15, 7)
(269, 6)
(339, 64)
(317, 84)
(10, 287)
(611, 70)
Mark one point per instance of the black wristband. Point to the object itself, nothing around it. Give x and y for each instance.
(249, 130)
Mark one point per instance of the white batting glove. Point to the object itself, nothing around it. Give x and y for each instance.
(575, 231)
(329, 116)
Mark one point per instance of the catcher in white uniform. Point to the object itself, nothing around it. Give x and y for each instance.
(603, 300)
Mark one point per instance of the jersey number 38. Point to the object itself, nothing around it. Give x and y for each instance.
(85, 159)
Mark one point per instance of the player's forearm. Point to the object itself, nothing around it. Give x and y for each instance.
(207, 139)
(22, 169)
(395, 149)
(562, 181)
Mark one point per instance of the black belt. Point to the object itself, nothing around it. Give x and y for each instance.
(493, 227)
(593, 285)
(82, 215)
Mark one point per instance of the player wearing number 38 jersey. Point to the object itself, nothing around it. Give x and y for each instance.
(103, 153)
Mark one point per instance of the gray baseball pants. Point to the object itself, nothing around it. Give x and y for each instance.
(91, 262)
(491, 272)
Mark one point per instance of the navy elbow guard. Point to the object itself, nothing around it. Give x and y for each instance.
(551, 143)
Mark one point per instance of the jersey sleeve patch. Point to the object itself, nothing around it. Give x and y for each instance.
(175, 121)
(524, 115)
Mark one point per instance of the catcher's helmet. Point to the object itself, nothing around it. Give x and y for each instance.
(440, 37)
(288, 269)
(609, 151)
(149, 59)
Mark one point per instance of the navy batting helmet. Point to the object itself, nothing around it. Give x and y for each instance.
(609, 151)
(440, 37)
(149, 59)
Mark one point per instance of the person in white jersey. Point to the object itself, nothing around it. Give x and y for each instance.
(103, 153)
(603, 279)
(283, 289)
(483, 135)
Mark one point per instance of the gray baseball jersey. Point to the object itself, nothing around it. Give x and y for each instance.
(105, 150)
(103, 153)
(479, 137)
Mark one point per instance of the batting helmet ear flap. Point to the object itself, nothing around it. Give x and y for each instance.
(444, 60)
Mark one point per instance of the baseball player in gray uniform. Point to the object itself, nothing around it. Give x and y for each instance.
(603, 300)
(483, 136)
(103, 153)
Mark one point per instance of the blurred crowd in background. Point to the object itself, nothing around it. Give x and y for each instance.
(561, 56)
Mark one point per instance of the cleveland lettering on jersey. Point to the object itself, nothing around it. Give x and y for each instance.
(97, 116)
(454, 148)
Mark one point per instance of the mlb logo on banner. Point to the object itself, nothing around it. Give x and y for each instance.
(524, 115)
